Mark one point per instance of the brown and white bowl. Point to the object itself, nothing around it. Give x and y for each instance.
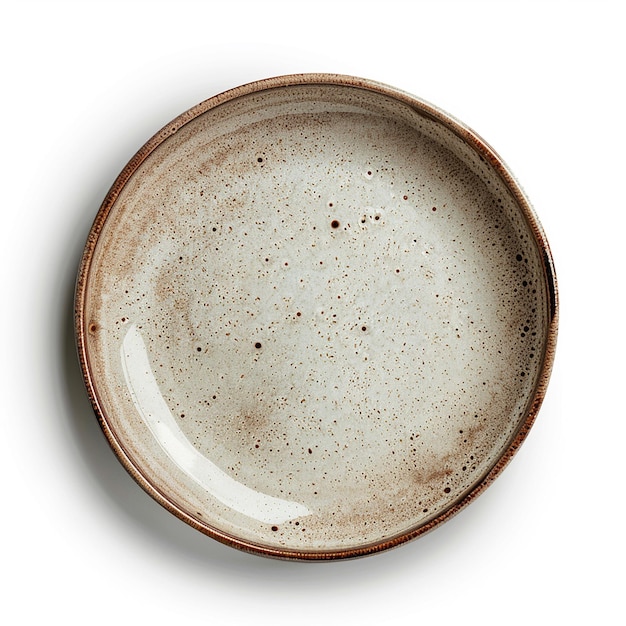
(316, 316)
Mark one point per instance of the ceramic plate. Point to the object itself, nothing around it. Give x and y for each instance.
(316, 316)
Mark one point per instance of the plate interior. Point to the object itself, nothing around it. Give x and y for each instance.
(315, 318)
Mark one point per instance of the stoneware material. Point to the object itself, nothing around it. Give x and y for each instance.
(316, 316)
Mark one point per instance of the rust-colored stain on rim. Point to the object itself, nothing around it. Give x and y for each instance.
(85, 326)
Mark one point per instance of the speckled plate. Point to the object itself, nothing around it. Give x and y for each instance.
(316, 316)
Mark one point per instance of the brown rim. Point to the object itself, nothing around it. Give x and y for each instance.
(481, 148)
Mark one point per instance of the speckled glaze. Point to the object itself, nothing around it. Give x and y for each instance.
(316, 317)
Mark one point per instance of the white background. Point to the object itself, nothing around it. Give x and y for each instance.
(86, 84)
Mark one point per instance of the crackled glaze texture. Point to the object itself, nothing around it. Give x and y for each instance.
(315, 318)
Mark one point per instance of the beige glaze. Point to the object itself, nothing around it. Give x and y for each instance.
(316, 317)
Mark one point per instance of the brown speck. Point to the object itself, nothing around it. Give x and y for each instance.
(335, 223)
(274, 528)
(93, 328)
(257, 345)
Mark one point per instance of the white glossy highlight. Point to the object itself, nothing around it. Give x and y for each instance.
(150, 404)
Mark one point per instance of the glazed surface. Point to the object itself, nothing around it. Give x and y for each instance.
(315, 318)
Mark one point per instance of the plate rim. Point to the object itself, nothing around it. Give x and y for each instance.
(424, 108)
